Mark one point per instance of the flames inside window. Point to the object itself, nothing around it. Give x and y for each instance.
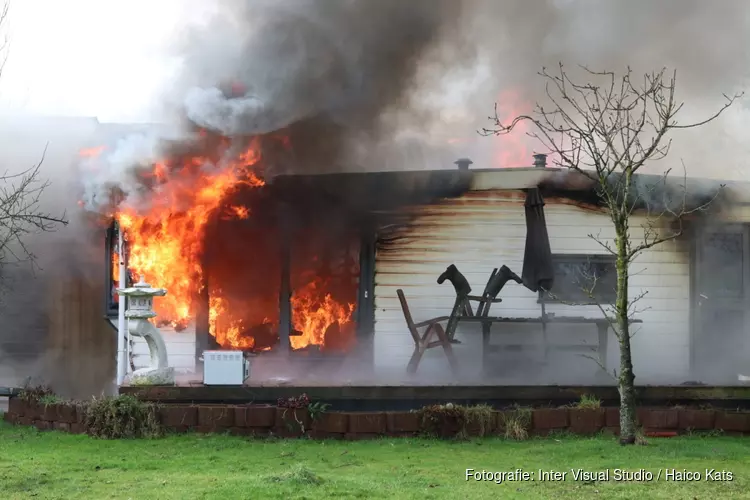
(243, 266)
(206, 227)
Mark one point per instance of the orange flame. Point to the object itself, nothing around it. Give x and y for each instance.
(226, 334)
(512, 150)
(166, 245)
(314, 312)
(239, 212)
(91, 152)
(115, 276)
(238, 89)
(115, 267)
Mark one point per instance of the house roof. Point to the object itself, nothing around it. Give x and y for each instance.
(383, 190)
(376, 188)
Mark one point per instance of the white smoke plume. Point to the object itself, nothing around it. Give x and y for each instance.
(119, 168)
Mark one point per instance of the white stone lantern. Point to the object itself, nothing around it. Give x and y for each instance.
(140, 309)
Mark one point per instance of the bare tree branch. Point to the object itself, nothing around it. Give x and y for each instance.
(607, 128)
(21, 215)
(4, 39)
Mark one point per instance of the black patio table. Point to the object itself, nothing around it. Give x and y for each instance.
(602, 326)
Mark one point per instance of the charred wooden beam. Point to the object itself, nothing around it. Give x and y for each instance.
(366, 296)
(285, 288)
(110, 305)
(204, 341)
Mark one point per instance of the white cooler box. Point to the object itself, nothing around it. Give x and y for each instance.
(225, 368)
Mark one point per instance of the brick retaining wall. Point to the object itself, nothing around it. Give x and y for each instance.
(261, 420)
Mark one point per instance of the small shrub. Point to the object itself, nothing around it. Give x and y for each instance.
(442, 421)
(33, 394)
(705, 434)
(481, 416)
(316, 410)
(50, 399)
(122, 417)
(453, 421)
(516, 423)
(589, 402)
(292, 405)
(515, 430)
(300, 402)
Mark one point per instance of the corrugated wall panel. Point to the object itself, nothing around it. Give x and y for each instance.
(486, 229)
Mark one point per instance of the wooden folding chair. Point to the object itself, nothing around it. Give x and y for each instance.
(462, 306)
(424, 341)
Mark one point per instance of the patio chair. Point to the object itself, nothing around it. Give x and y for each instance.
(498, 280)
(433, 329)
(462, 306)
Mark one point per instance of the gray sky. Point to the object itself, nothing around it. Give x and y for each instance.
(81, 56)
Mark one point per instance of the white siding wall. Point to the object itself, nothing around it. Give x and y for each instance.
(486, 229)
(180, 349)
(737, 214)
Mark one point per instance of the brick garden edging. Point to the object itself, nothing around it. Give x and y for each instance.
(263, 420)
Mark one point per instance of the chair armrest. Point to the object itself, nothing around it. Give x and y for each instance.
(477, 298)
(431, 321)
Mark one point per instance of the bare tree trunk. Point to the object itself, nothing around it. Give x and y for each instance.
(626, 379)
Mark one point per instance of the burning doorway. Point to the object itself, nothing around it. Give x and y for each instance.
(324, 280)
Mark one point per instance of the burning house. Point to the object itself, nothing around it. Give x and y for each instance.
(303, 271)
(271, 236)
(272, 226)
(270, 266)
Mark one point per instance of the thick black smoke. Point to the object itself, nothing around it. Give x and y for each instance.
(344, 78)
(325, 72)
(343, 74)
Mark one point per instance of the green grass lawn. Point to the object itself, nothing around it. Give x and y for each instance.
(55, 465)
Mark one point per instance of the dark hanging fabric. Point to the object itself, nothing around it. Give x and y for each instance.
(538, 273)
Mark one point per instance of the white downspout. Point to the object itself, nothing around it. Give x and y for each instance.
(122, 360)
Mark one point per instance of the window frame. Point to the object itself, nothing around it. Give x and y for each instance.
(608, 297)
(111, 307)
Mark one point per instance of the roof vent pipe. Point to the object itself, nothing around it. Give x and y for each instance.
(540, 160)
(463, 163)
